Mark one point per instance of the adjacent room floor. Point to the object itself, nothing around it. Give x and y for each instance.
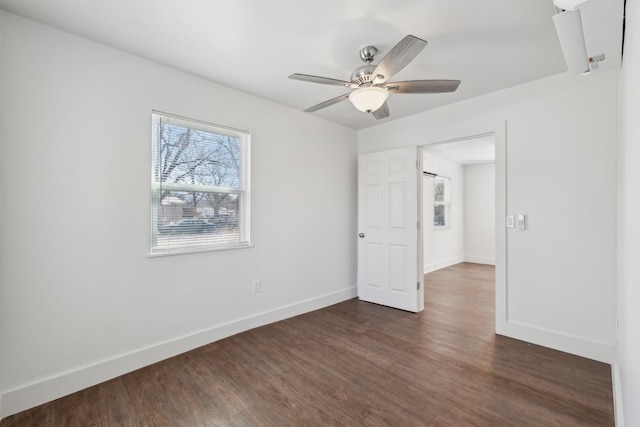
(357, 363)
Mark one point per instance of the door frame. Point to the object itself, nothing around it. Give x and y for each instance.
(500, 135)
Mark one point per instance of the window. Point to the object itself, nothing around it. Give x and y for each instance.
(200, 186)
(440, 202)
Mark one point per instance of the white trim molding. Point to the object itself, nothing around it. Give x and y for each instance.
(30, 395)
(479, 260)
(428, 268)
(602, 352)
(616, 381)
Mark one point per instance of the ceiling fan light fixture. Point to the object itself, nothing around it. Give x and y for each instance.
(368, 99)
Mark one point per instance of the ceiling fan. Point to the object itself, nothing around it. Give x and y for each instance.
(371, 84)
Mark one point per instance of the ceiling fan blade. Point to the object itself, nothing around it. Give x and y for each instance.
(327, 103)
(398, 58)
(381, 112)
(322, 80)
(423, 86)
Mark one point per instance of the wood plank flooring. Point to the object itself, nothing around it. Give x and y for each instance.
(355, 364)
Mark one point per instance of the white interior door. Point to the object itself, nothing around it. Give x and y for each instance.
(389, 232)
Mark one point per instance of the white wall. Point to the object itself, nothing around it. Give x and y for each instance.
(443, 247)
(80, 300)
(560, 171)
(627, 361)
(480, 213)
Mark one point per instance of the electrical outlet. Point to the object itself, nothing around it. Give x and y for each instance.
(257, 286)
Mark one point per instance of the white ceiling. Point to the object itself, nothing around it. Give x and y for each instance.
(254, 45)
(467, 152)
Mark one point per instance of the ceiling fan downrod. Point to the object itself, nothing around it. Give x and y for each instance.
(362, 75)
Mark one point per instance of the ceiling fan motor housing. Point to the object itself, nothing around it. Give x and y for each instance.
(363, 74)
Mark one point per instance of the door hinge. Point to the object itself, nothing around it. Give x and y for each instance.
(418, 283)
(418, 225)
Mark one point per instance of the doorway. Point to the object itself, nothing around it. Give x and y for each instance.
(458, 197)
(390, 179)
(497, 252)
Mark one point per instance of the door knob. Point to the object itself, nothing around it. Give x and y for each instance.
(361, 235)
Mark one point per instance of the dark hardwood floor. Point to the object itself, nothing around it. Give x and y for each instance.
(354, 364)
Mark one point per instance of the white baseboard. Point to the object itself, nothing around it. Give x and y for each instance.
(28, 396)
(617, 394)
(479, 260)
(428, 268)
(601, 352)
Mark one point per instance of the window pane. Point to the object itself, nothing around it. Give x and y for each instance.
(439, 216)
(193, 156)
(196, 219)
(439, 190)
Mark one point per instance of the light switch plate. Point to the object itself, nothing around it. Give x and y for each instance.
(522, 222)
(510, 222)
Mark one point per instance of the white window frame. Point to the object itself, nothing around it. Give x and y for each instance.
(243, 190)
(446, 202)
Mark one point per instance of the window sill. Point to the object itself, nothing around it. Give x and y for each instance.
(199, 250)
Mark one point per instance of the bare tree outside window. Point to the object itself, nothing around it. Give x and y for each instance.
(200, 185)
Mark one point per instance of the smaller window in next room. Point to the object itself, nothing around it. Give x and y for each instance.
(441, 203)
(200, 186)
